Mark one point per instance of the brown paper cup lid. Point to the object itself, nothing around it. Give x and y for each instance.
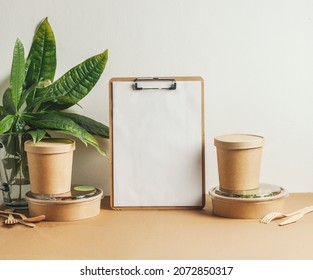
(50, 146)
(238, 141)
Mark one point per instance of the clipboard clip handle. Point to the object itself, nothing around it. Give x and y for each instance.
(140, 82)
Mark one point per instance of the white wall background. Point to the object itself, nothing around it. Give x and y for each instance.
(256, 58)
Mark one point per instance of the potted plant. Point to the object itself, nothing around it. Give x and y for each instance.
(34, 105)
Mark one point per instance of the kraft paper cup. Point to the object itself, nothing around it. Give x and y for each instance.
(50, 165)
(239, 161)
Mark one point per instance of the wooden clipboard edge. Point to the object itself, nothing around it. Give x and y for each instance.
(131, 79)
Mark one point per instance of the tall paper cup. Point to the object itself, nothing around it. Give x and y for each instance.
(239, 161)
(50, 165)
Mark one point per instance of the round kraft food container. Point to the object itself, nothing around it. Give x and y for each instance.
(65, 210)
(247, 207)
(50, 165)
(239, 161)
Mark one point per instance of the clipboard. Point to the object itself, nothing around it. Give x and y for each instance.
(157, 143)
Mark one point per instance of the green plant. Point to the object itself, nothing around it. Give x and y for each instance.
(35, 105)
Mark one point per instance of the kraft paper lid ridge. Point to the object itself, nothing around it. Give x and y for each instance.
(239, 141)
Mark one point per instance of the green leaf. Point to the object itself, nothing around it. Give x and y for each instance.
(17, 73)
(41, 60)
(39, 100)
(6, 123)
(92, 143)
(8, 106)
(60, 123)
(92, 126)
(37, 135)
(76, 83)
(25, 94)
(2, 113)
(11, 143)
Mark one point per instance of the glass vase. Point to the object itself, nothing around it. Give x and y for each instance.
(14, 176)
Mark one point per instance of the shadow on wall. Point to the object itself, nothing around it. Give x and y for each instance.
(4, 85)
(91, 168)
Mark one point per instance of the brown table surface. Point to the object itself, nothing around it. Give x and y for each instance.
(162, 235)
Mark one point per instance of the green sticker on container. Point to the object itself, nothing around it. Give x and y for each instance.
(84, 188)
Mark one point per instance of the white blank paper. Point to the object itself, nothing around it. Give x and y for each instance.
(157, 148)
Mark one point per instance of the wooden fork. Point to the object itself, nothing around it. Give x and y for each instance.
(20, 221)
(10, 220)
(277, 215)
(23, 217)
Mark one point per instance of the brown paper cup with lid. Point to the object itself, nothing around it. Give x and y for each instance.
(239, 161)
(50, 165)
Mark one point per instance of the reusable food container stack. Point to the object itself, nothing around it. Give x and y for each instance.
(50, 172)
(240, 194)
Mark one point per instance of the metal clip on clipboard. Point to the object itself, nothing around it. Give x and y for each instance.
(153, 82)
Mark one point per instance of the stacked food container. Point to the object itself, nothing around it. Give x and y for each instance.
(50, 172)
(240, 193)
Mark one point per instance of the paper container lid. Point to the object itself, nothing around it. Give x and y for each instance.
(266, 192)
(67, 210)
(238, 141)
(50, 146)
(254, 207)
(31, 198)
